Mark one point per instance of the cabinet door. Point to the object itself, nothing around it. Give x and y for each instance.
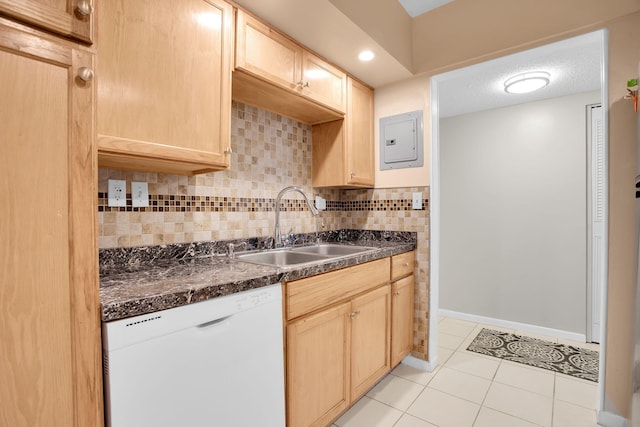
(68, 18)
(401, 318)
(370, 329)
(323, 82)
(343, 154)
(359, 138)
(164, 92)
(318, 367)
(50, 352)
(266, 53)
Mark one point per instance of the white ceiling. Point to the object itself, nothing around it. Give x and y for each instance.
(418, 7)
(574, 65)
(318, 24)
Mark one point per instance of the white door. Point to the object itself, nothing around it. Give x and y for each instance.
(597, 220)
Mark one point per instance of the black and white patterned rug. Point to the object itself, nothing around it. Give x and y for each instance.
(565, 359)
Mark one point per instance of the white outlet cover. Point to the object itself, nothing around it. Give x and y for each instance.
(321, 204)
(117, 192)
(417, 201)
(139, 194)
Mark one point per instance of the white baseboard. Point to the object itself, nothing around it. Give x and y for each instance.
(525, 327)
(609, 419)
(414, 362)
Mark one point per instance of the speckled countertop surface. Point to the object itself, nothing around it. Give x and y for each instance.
(137, 281)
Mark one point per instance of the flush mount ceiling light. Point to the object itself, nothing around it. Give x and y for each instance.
(527, 82)
(366, 55)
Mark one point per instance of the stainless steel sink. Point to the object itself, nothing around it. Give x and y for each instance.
(294, 257)
(332, 250)
(281, 258)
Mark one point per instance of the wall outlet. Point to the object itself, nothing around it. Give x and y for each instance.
(117, 192)
(321, 204)
(139, 194)
(416, 201)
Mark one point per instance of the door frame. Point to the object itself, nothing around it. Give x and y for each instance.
(434, 213)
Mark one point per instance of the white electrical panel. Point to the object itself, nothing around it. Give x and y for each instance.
(401, 141)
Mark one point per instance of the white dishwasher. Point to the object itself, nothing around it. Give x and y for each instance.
(217, 362)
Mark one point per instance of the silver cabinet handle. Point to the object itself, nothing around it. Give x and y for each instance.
(397, 293)
(228, 150)
(303, 84)
(85, 73)
(84, 7)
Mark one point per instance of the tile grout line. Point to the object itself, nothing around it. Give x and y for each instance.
(492, 381)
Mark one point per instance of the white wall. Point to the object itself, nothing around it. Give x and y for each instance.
(513, 209)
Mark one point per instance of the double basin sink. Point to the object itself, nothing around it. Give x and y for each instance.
(302, 255)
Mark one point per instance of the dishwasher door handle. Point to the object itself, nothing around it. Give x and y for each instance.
(217, 324)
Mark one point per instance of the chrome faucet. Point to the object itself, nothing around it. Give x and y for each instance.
(314, 211)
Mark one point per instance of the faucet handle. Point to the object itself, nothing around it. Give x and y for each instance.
(231, 248)
(286, 238)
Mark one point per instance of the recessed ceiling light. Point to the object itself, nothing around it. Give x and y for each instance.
(527, 82)
(366, 55)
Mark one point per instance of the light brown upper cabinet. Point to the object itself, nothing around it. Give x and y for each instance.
(50, 351)
(343, 153)
(274, 72)
(323, 82)
(164, 85)
(68, 18)
(266, 53)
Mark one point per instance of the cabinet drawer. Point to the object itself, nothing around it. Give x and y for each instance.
(402, 264)
(59, 16)
(312, 293)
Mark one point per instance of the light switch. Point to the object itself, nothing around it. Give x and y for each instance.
(139, 194)
(417, 201)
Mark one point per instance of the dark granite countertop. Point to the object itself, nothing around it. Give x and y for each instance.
(143, 280)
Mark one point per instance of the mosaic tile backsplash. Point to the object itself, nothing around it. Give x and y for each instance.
(270, 152)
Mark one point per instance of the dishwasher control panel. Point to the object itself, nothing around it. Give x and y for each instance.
(125, 332)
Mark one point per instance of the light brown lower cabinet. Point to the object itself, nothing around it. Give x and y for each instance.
(335, 356)
(401, 318)
(318, 364)
(345, 330)
(370, 330)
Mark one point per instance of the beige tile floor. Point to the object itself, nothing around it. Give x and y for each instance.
(472, 390)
